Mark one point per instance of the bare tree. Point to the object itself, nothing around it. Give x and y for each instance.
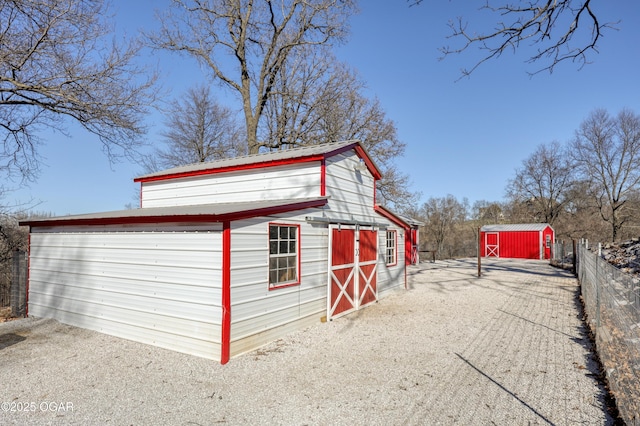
(487, 212)
(581, 216)
(562, 30)
(198, 130)
(544, 180)
(317, 99)
(56, 61)
(607, 153)
(257, 36)
(296, 112)
(443, 218)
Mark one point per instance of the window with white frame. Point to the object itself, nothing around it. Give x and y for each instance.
(391, 247)
(283, 255)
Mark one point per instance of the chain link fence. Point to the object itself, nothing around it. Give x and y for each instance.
(612, 304)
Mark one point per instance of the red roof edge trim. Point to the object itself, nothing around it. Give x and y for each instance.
(392, 217)
(226, 293)
(236, 168)
(372, 168)
(201, 218)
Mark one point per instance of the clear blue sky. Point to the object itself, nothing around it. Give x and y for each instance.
(463, 138)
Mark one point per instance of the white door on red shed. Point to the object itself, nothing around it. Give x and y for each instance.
(492, 244)
(353, 269)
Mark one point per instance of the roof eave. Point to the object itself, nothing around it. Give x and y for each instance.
(176, 218)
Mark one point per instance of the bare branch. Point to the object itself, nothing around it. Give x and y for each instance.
(258, 35)
(56, 61)
(551, 26)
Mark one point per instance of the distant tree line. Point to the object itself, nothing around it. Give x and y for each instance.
(588, 187)
(61, 64)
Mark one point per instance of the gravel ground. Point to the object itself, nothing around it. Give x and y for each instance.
(508, 348)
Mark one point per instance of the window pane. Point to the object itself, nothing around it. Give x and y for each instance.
(284, 247)
(283, 255)
(291, 276)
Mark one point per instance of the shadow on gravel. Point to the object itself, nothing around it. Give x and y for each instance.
(9, 339)
(504, 389)
(538, 324)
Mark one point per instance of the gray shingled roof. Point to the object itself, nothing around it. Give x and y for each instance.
(286, 154)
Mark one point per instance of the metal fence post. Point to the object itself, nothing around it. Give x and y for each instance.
(597, 279)
(19, 284)
(575, 258)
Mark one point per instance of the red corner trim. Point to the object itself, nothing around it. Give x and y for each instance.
(372, 168)
(323, 177)
(226, 293)
(386, 213)
(26, 310)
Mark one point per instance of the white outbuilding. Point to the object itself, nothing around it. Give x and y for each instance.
(226, 256)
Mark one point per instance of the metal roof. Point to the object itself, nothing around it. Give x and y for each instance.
(399, 219)
(205, 212)
(516, 227)
(268, 157)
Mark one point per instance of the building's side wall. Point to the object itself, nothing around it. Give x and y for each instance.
(260, 315)
(152, 286)
(350, 191)
(301, 180)
(520, 244)
(351, 194)
(391, 277)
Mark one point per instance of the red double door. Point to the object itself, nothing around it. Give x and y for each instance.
(353, 264)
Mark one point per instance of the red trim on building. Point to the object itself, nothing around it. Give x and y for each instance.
(241, 167)
(386, 213)
(298, 256)
(323, 177)
(273, 163)
(26, 309)
(226, 293)
(395, 250)
(200, 218)
(372, 168)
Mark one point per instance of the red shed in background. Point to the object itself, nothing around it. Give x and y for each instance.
(520, 241)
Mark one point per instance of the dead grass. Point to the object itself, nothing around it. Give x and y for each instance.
(5, 314)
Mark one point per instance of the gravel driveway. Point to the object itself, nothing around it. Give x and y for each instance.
(508, 349)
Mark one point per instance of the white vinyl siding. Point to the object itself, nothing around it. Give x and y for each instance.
(293, 181)
(351, 196)
(350, 190)
(160, 288)
(258, 314)
(390, 276)
(162, 284)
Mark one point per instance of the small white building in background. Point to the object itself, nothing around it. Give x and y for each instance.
(226, 256)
